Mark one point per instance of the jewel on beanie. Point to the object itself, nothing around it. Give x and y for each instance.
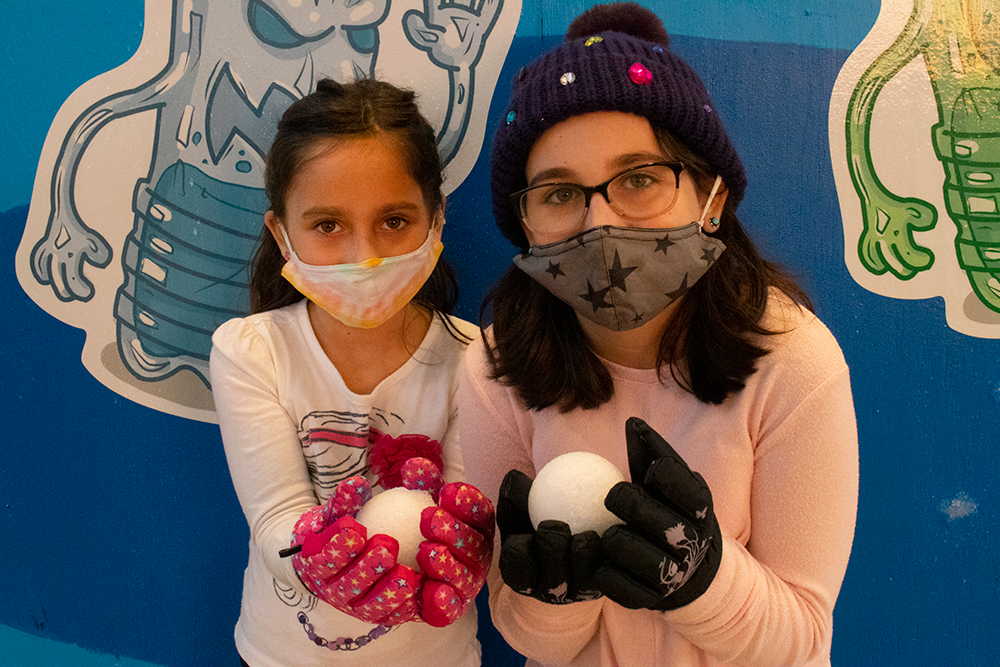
(627, 17)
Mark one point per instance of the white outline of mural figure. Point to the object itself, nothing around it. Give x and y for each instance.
(233, 68)
(957, 42)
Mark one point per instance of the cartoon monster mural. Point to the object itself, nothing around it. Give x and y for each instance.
(232, 67)
(885, 89)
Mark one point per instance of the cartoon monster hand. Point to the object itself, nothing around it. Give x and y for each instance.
(550, 564)
(58, 258)
(669, 549)
(342, 566)
(452, 35)
(887, 242)
(458, 550)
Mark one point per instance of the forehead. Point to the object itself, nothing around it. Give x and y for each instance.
(353, 166)
(593, 141)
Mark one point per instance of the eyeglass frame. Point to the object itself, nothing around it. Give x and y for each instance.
(602, 188)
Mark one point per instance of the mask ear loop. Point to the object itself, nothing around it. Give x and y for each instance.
(288, 244)
(711, 196)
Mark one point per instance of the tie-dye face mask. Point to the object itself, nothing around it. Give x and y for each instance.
(622, 277)
(368, 293)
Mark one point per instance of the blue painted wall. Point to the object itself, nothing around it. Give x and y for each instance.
(120, 531)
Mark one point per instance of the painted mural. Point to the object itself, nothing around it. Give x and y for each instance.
(148, 198)
(915, 140)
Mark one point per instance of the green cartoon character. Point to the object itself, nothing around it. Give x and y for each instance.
(959, 41)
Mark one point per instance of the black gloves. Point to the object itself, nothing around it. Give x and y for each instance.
(550, 564)
(665, 555)
(669, 549)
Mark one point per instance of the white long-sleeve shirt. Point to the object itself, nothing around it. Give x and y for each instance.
(781, 460)
(292, 429)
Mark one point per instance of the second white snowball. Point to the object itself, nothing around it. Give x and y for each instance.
(396, 512)
(572, 488)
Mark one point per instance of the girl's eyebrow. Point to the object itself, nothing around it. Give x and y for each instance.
(623, 161)
(335, 211)
(632, 159)
(555, 172)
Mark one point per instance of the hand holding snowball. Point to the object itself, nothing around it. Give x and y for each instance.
(550, 541)
(669, 549)
(342, 566)
(425, 560)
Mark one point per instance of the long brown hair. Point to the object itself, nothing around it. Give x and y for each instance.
(710, 344)
(338, 111)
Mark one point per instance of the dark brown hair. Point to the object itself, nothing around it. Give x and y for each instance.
(710, 343)
(336, 111)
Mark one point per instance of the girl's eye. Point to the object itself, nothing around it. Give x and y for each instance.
(639, 180)
(560, 195)
(328, 226)
(394, 224)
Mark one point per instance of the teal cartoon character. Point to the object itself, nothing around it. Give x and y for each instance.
(957, 42)
(151, 278)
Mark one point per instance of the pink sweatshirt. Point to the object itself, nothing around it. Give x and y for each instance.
(781, 459)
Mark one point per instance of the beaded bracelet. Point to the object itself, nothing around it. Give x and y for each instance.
(341, 643)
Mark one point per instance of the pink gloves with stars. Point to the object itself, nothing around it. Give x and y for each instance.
(340, 564)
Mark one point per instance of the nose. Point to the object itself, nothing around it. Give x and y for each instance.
(364, 247)
(600, 213)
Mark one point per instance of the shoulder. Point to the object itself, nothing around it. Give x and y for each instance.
(477, 363)
(801, 346)
(241, 336)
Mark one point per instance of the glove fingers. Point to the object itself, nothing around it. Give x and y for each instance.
(470, 505)
(337, 545)
(310, 523)
(354, 581)
(552, 544)
(647, 564)
(468, 544)
(440, 604)
(348, 497)
(512, 504)
(585, 556)
(675, 484)
(437, 562)
(642, 512)
(644, 445)
(623, 589)
(517, 565)
(407, 611)
(388, 593)
(420, 474)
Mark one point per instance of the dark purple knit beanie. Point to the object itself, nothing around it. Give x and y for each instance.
(616, 57)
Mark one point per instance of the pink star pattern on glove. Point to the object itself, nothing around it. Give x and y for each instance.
(457, 554)
(420, 474)
(358, 574)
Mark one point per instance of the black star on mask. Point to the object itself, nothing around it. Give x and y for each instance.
(663, 244)
(709, 255)
(617, 274)
(680, 291)
(554, 270)
(596, 297)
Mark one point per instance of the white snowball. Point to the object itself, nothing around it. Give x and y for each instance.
(396, 512)
(572, 488)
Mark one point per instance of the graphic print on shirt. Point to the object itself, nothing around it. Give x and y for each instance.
(336, 444)
(149, 194)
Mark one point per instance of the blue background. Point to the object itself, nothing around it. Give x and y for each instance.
(120, 532)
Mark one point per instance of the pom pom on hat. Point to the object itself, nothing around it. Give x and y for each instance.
(615, 58)
(627, 17)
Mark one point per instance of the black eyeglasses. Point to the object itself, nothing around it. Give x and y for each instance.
(638, 193)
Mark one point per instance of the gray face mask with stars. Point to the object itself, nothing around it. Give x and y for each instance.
(622, 277)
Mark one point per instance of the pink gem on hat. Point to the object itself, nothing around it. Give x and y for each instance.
(639, 74)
